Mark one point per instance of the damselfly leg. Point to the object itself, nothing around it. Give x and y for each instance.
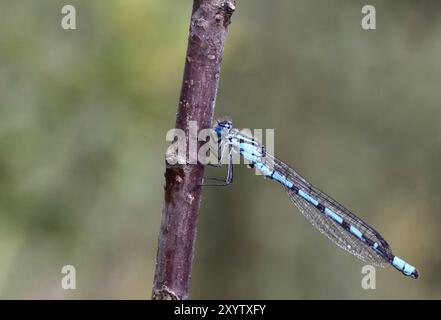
(220, 154)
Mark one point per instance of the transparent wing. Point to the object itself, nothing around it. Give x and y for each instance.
(336, 233)
(327, 226)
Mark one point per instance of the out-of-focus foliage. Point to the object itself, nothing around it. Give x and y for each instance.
(83, 118)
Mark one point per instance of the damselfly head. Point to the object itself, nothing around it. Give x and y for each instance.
(223, 126)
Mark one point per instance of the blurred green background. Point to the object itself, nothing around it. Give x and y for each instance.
(83, 118)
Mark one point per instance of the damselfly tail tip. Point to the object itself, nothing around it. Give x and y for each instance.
(415, 274)
(405, 268)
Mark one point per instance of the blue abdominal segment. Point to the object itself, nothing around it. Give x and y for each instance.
(404, 267)
(332, 219)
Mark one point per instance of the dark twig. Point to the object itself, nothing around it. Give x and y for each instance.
(208, 31)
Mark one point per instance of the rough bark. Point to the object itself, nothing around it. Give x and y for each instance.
(208, 31)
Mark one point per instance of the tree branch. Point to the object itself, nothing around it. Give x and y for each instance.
(208, 31)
